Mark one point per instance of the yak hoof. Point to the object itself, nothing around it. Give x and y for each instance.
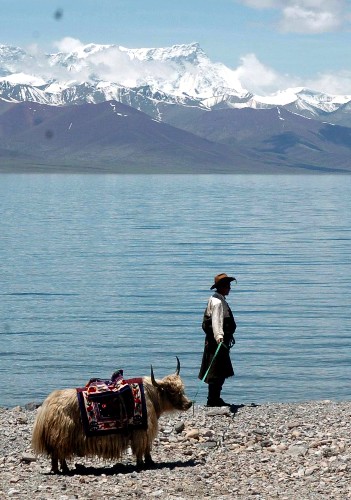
(64, 467)
(149, 462)
(140, 464)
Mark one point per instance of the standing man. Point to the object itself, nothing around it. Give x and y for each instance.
(219, 326)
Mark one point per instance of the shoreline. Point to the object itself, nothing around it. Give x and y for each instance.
(271, 450)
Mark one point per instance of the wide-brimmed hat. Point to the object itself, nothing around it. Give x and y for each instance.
(220, 279)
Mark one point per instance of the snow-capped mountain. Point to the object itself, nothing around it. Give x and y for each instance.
(171, 109)
(11, 59)
(147, 78)
(178, 70)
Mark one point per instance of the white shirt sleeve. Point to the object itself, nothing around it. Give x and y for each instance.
(217, 320)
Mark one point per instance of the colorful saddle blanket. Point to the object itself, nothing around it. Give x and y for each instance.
(112, 406)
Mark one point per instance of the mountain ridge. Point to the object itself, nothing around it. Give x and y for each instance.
(178, 71)
(201, 118)
(113, 137)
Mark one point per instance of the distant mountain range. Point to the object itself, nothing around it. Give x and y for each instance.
(108, 108)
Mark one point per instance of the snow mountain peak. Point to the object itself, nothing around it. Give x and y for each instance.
(144, 78)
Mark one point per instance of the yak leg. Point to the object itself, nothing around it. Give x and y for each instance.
(148, 459)
(148, 462)
(139, 458)
(141, 448)
(54, 464)
(64, 466)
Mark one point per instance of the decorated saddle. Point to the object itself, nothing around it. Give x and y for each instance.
(112, 406)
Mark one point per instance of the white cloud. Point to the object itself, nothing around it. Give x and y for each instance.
(260, 79)
(260, 4)
(33, 49)
(302, 19)
(85, 62)
(68, 44)
(338, 83)
(263, 80)
(114, 64)
(307, 16)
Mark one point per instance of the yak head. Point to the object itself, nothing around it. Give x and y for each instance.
(171, 390)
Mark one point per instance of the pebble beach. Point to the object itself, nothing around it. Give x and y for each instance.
(286, 451)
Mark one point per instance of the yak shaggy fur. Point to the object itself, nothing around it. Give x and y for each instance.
(58, 430)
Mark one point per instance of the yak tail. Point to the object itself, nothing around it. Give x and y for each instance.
(55, 425)
(39, 436)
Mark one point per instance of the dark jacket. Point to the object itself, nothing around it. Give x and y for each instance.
(221, 367)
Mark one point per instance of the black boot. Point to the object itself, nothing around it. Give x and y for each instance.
(223, 403)
(214, 394)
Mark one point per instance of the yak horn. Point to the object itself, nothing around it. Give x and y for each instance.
(178, 366)
(153, 378)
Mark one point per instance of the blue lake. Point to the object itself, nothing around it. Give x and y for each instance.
(100, 272)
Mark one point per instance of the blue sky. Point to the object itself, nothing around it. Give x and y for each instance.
(307, 42)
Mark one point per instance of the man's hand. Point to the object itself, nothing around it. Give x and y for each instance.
(219, 340)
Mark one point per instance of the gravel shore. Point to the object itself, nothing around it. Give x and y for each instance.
(289, 451)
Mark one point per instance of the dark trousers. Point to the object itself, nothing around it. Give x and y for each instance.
(214, 389)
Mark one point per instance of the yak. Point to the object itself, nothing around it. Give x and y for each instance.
(58, 428)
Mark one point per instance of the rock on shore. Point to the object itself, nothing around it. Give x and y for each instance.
(297, 451)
